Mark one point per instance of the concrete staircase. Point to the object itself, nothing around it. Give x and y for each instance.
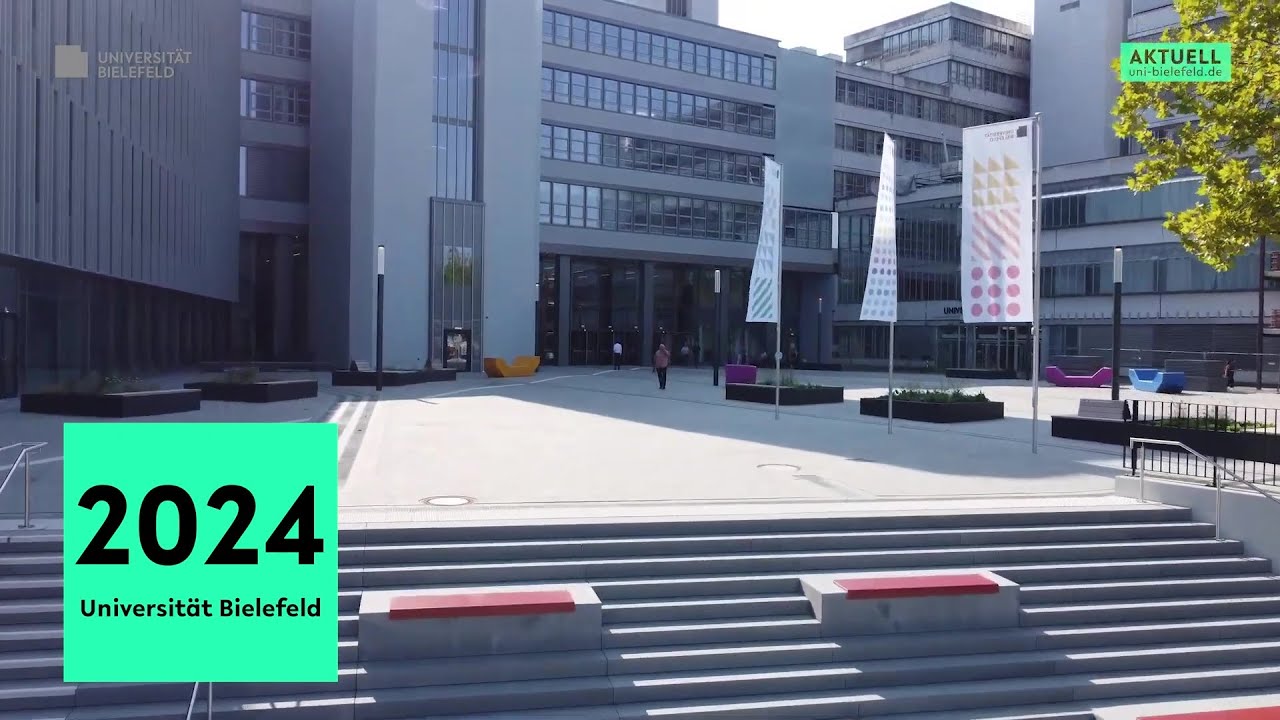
(707, 619)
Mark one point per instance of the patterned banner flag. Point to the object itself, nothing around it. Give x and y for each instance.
(765, 296)
(996, 247)
(880, 300)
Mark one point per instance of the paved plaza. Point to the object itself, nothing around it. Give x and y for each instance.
(599, 443)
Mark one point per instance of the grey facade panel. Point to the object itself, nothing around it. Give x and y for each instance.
(256, 64)
(260, 132)
(667, 248)
(806, 134)
(510, 170)
(87, 162)
(586, 174)
(558, 113)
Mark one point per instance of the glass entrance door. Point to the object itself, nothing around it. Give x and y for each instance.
(9, 354)
(457, 349)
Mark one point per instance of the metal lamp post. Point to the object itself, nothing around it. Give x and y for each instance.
(1117, 275)
(819, 359)
(715, 360)
(382, 277)
(537, 319)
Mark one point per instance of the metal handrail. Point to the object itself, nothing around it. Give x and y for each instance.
(1217, 482)
(24, 457)
(191, 707)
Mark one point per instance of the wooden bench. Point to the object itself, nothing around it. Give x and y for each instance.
(1103, 410)
(918, 586)
(1260, 713)
(494, 604)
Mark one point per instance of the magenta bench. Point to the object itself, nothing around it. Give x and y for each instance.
(1101, 378)
(740, 374)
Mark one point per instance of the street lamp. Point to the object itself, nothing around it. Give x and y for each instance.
(715, 360)
(382, 276)
(1117, 276)
(819, 330)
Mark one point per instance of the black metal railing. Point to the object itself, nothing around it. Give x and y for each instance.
(1244, 440)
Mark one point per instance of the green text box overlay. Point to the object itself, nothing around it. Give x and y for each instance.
(273, 462)
(1175, 62)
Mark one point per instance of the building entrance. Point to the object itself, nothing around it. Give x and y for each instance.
(595, 347)
(457, 349)
(10, 353)
(1004, 348)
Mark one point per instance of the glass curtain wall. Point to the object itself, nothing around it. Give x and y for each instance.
(606, 297)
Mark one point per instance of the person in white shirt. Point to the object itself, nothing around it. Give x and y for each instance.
(617, 355)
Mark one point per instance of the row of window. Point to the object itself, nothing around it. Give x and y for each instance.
(852, 184)
(992, 81)
(574, 88)
(897, 102)
(275, 101)
(605, 38)
(611, 209)
(275, 35)
(951, 29)
(633, 153)
(1122, 205)
(871, 142)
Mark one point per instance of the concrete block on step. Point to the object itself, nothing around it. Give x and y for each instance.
(879, 603)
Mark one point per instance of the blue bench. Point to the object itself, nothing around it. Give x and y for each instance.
(1157, 381)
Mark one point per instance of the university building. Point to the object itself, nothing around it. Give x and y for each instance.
(547, 177)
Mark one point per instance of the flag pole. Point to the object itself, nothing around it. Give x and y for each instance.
(777, 332)
(891, 352)
(1035, 308)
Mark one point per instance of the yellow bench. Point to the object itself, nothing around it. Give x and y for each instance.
(522, 366)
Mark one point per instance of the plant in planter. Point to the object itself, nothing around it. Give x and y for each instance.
(937, 405)
(783, 388)
(114, 396)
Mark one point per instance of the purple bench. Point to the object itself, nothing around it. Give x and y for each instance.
(1101, 378)
(740, 374)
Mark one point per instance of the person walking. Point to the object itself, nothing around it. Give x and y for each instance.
(617, 354)
(1229, 372)
(661, 361)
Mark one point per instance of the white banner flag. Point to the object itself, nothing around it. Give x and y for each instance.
(765, 296)
(880, 300)
(996, 246)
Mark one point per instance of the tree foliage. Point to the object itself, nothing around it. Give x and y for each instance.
(1235, 146)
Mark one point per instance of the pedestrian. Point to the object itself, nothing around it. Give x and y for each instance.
(661, 361)
(617, 354)
(1229, 372)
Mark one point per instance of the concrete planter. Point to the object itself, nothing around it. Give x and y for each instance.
(392, 378)
(1256, 446)
(257, 392)
(112, 405)
(933, 412)
(821, 395)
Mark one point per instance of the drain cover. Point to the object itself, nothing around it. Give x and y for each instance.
(783, 467)
(447, 500)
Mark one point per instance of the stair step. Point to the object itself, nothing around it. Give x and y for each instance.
(705, 608)
(645, 635)
(30, 612)
(1157, 610)
(349, 601)
(35, 542)
(922, 671)
(1150, 589)
(35, 695)
(31, 587)
(99, 694)
(31, 664)
(30, 564)
(631, 547)
(31, 637)
(875, 702)
(646, 588)
(544, 571)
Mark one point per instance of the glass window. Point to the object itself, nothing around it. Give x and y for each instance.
(579, 33)
(757, 71)
(544, 202)
(609, 209)
(548, 83)
(730, 65)
(715, 62)
(612, 45)
(593, 207)
(595, 36)
(578, 89)
(611, 95)
(560, 143)
(559, 204)
(644, 46)
(562, 30)
(562, 91)
(627, 99)
(548, 29)
(546, 143)
(577, 206)
(595, 92)
(700, 60)
(609, 151)
(593, 148)
(686, 56)
(628, 44)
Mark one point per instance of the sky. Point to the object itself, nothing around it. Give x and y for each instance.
(822, 24)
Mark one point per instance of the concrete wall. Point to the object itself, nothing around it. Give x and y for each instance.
(1247, 515)
(127, 178)
(806, 134)
(1072, 83)
(511, 166)
(331, 179)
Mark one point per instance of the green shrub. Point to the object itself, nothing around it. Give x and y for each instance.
(937, 395)
(241, 376)
(98, 384)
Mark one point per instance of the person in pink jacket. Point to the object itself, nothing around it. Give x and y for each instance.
(661, 361)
